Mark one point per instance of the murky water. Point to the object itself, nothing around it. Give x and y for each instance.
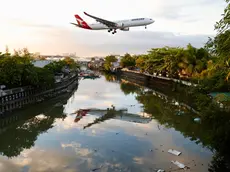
(48, 137)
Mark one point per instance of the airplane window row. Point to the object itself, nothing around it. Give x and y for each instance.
(138, 19)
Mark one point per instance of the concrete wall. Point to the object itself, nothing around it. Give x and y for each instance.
(19, 97)
(154, 79)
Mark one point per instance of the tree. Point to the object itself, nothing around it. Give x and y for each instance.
(141, 62)
(224, 23)
(219, 45)
(127, 61)
(108, 62)
(17, 70)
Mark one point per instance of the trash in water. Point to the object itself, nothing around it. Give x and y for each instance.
(160, 170)
(180, 113)
(174, 152)
(180, 165)
(197, 119)
(58, 104)
(95, 169)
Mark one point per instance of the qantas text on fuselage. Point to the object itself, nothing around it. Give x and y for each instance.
(103, 24)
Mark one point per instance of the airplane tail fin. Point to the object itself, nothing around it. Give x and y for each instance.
(81, 22)
(79, 19)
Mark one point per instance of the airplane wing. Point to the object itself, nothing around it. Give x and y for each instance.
(103, 21)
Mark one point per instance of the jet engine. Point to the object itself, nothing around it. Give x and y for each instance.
(125, 29)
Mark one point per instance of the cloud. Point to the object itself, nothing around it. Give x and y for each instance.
(17, 22)
(50, 32)
(92, 43)
(38, 160)
(141, 42)
(182, 10)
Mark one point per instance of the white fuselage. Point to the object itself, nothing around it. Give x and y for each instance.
(122, 24)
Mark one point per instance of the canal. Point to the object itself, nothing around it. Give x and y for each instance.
(128, 128)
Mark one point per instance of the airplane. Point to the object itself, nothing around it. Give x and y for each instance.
(103, 24)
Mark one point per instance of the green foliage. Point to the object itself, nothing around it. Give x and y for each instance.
(108, 62)
(56, 66)
(129, 88)
(224, 22)
(127, 61)
(17, 70)
(141, 62)
(45, 78)
(219, 45)
(174, 61)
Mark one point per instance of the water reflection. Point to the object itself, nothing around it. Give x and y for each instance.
(126, 127)
(212, 133)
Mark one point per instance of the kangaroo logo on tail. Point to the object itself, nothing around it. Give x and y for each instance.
(81, 22)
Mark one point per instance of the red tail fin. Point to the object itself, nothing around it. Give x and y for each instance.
(79, 19)
(81, 22)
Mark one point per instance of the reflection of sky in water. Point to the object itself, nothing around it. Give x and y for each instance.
(100, 94)
(115, 143)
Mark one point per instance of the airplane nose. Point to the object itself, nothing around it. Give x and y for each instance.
(152, 21)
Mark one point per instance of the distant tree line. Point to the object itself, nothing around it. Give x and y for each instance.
(17, 70)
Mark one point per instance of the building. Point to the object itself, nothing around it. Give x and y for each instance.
(96, 64)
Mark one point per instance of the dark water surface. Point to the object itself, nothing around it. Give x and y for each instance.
(48, 138)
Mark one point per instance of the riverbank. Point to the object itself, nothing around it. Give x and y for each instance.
(153, 81)
(53, 104)
(19, 97)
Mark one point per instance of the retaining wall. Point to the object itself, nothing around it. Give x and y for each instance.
(153, 81)
(19, 97)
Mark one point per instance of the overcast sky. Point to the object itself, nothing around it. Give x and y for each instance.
(43, 26)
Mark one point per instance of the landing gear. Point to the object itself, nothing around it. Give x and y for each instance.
(145, 27)
(114, 31)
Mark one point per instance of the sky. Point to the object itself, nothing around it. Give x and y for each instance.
(44, 26)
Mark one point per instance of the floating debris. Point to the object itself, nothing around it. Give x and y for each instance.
(174, 152)
(180, 113)
(160, 170)
(95, 169)
(197, 119)
(180, 165)
(58, 104)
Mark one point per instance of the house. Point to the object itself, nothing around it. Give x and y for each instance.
(96, 64)
(116, 65)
